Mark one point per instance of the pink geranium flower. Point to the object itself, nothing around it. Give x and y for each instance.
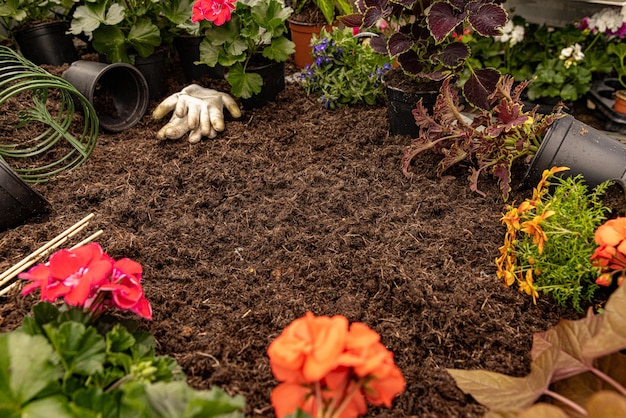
(216, 11)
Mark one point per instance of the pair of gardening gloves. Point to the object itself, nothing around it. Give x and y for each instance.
(197, 110)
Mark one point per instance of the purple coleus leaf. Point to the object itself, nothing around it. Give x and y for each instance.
(453, 54)
(510, 114)
(379, 44)
(480, 86)
(442, 19)
(354, 20)
(411, 63)
(399, 44)
(488, 19)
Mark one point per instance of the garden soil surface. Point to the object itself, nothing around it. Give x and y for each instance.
(291, 209)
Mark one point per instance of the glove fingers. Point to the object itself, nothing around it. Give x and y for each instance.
(165, 107)
(181, 108)
(216, 116)
(194, 116)
(195, 135)
(231, 105)
(205, 121)
(176, 128)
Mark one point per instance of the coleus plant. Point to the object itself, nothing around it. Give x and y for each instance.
(76, 359)
(492, 141)
(424, 45)
(577, 370)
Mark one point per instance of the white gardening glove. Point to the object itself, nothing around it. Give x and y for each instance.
(197, 110)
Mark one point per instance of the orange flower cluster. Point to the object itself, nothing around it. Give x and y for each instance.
(330, 369)
(521, 219)
(611, 252)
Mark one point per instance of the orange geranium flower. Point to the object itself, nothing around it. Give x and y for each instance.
(330, 369)
(541, 186)
(612, 234)
(308, 348)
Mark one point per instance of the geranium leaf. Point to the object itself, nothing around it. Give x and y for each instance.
(481, 84)
(52, 406)
(144, 36)
(83, 350)
(279, 50)
(28, 365)
(442, 20)
(243, 84)
(488, 19)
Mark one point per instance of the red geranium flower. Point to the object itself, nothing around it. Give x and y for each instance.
(216, 11)
(72, 274)
(125, 285)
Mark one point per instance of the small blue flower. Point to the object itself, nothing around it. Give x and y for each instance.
(386, 66)
(319, 61)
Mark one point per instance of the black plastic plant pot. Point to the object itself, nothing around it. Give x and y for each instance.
(585, 150)
(118, 92)
(400, 105)
(188, 50)
(18, 201)
(154, 71)
(273, 75)
(47, 43)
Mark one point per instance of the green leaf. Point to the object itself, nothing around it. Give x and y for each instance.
(89, 17)
(279, 50)
(110, 41)
(178, 400)
(177, 12)
(243, 84)
(28, 366)
(51, 407)
(144, 36)
(82, 349)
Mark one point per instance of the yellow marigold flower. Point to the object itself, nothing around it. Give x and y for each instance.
(511, 220)
(526, 206)
(533, 228)
(528, 286)
(539, 190)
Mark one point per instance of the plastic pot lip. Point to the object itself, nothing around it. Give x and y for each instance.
(94, 72)
(21, 191)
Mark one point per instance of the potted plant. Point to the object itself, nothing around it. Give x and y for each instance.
(308, 18)
(187, 37)
(493, 140)
(129, 31)
(39, 28)
(80, 354)
(345, 70)
(562, 61)
(426, 44)
(507, 133)
(249, 37)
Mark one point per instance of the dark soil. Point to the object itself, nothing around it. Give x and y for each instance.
(297, 208)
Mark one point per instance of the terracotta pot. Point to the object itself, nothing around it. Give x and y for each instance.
(585, 150)
(301, 34)
(620, 101)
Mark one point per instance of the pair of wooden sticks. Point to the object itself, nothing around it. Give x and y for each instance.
(7, 279)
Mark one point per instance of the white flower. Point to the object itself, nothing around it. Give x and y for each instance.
(608, 19)
(510, 33)
(572, 55)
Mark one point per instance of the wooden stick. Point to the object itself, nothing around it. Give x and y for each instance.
(54, 243)
(90, 238)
